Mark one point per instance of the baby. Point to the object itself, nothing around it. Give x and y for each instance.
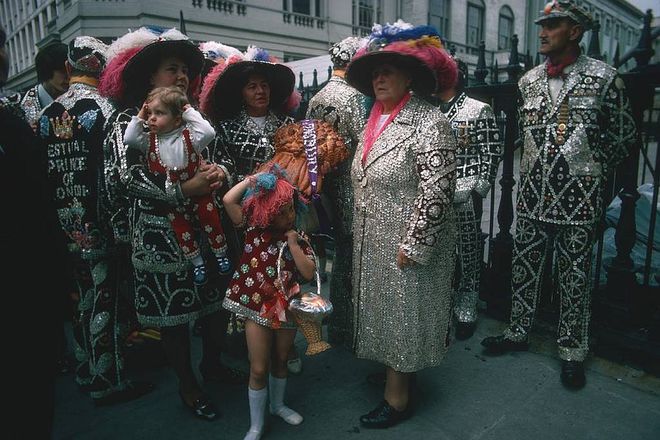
(177, 135)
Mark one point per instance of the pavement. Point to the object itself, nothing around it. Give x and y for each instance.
(469, 396)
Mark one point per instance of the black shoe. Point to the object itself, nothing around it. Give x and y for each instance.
(202, 408)
(497, 345)
(133, 391)
(223, 374)
(377, 378)
(572, 374)
(384, 416)
(465, 330)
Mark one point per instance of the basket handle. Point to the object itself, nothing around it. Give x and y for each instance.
(316, 264)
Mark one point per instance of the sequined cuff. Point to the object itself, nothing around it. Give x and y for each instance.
(230, 180)
(482, 187)
(419, 254)
(174, 191)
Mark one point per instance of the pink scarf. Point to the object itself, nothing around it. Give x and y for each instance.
(370, 133)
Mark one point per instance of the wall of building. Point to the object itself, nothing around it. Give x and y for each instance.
(287, 35)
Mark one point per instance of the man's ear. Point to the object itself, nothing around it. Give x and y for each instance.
(576, 32)
(68, 67)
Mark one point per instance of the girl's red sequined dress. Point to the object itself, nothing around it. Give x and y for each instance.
(252, 292)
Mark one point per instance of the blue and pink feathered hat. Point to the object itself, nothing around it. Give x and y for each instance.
(221, 93)
(416, 49)
(269, 192)
(134, 57)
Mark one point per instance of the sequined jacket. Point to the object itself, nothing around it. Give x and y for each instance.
(31, 105)
(240, 145)
(569, 147)
(407, 182)
(479, 146)
(403, 200)
(73, 128)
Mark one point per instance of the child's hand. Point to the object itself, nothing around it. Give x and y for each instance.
(292, 237)
(144, 112)
(186, 107)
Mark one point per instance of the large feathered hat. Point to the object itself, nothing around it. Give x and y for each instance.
(134, 57)
(414, 49)
(221, 94)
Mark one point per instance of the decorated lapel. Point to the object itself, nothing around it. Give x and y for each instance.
(394, 134)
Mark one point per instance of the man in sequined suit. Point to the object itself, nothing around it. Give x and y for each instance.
(73, 127)
(478, 157)
(53, 81)
(32, 270)
(346, 109)
(576, 127)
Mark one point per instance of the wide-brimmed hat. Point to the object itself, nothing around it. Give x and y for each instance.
(134, 57)
(221, 96)
(414, 49)
(566, 9)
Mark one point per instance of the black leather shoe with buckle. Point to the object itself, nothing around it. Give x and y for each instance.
(384, 416)
(202, 408)
(497, 345)
(572, 374)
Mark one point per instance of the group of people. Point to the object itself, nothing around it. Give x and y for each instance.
(158, 142)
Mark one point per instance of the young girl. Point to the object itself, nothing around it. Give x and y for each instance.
(267, 203)
(177, 135)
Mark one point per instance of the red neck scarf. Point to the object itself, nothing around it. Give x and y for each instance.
(557, 70)
(371, 133)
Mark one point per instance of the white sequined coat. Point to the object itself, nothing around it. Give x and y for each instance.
(403, 199)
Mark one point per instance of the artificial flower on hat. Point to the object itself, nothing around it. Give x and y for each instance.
(566, 9)
(215, 51)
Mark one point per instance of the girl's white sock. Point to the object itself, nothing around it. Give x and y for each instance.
(257, 399)
(276, 388)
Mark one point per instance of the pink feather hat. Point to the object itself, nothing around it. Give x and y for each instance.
(134, 57)
(221, 93)
(414, 49)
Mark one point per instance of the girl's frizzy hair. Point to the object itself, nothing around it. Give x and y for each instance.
(171, 97)
(268, 193)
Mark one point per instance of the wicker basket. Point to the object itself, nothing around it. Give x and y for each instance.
(310, 328)
(312, 332)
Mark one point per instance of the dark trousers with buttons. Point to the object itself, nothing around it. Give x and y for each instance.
(571, 246)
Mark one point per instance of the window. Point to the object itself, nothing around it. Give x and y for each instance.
(505, 29)
(608, 27)
(475, 23)
(366, 13)
(617, 34)
(439, 15)
(301, 6)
